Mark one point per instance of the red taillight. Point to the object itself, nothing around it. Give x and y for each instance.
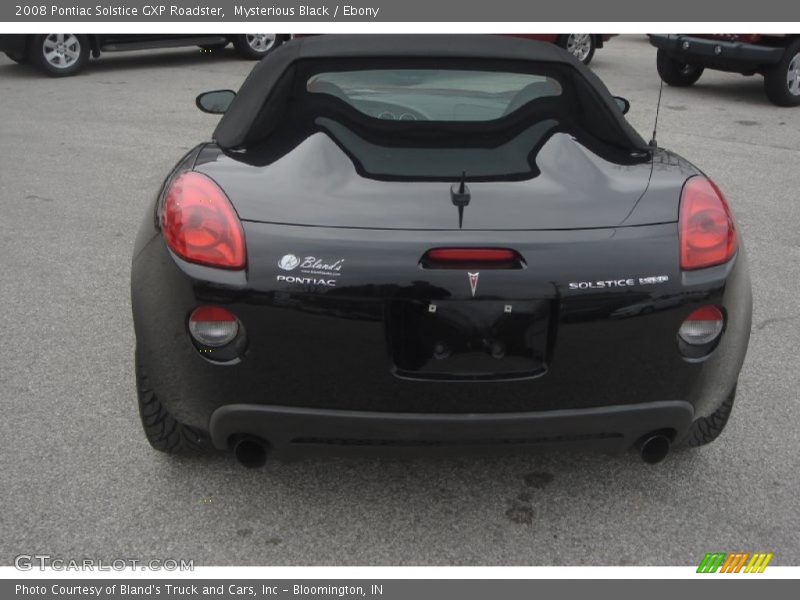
(200, 224)
(707, 232)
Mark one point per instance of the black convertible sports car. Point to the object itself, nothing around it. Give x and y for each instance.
(434, 240)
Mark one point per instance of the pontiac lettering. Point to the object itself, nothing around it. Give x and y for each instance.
(306, 280)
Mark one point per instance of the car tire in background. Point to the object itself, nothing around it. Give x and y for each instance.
(255, 46)
(163, 431)
(59, 54)
(580, 45)
(782, 81)
(20, 59)
(706, 429)
(676, 73)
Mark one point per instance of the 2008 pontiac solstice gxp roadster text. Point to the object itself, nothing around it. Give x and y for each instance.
(431, 240)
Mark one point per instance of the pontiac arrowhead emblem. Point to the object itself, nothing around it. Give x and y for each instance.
(473, 282)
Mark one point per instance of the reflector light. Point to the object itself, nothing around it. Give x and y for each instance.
(702, 326)
(706, 228)
(213, 326)
(200, 225)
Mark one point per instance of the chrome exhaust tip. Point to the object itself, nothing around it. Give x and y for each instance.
(653, 448)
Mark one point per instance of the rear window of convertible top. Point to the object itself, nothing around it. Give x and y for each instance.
(434, 94)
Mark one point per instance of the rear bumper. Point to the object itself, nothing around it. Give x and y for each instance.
(717, 54)
(607, 427)
(320, 365)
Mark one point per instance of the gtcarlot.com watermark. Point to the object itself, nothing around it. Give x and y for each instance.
(43, 562)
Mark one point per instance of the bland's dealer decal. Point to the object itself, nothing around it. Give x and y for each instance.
(315, 271)
(618, 283)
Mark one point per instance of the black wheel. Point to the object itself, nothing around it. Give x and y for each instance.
(676, 73)
(215, 47)
(162, 430)
(580, 45)
(782, 81)
(59, 54)
(255, 46)
(706, 429)
(20, 59)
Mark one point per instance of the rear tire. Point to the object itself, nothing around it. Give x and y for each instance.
(782, 81)
(580, 45)
(255, 46)
(20, 59)
(163, 431)
(59, 54)
(706, 429)
(676, 73)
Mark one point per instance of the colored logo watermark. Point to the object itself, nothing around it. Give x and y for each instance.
(734, 562)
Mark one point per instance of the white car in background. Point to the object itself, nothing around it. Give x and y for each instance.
(64, 54)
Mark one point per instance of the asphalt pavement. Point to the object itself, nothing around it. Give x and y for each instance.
(80, 160)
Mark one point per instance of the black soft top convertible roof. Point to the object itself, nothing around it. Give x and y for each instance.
(260, 103)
